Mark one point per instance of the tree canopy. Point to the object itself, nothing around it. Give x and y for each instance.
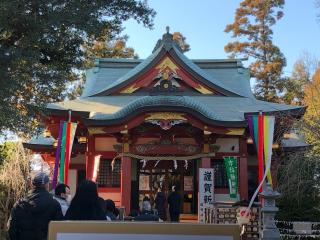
(182, 41)
(252, 26)
(311, 128)
(41, 47)
(291, 89)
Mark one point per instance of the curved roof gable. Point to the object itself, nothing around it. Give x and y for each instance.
(206, 80)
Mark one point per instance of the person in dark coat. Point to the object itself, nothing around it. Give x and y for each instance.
(30, 216)
(174, 201)
(86, 204)
(146, 213)
(110, 210)
(160, 202)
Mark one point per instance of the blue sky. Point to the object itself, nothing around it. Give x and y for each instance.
(202, 22)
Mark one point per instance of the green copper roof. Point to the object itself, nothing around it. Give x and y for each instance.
(214, 108)
(162, 101)
(229, 75)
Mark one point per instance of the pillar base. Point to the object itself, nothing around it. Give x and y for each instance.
(270, 234)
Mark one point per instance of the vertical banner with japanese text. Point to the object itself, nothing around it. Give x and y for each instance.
(231, 164)
(206, 191)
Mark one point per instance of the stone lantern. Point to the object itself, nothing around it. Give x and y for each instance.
(269, 230)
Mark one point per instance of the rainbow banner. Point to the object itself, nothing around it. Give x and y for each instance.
(65, 142)
(261, 130)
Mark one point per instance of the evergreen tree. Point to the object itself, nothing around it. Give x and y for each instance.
(101, 47)
(252, 26)
(41, 49)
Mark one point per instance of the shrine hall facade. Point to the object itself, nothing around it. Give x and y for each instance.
(145, 124)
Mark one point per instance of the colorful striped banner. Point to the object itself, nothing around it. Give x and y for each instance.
(261, 130)
(63, 152)
(72, 132)
(65, 142)
(260, 147)
(268, 141)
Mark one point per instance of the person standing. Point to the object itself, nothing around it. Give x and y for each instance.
(160, 202)
(63, 196)
(86, 203)
(31, 215)
(174, 201)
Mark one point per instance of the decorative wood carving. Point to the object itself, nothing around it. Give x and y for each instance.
(166, 145)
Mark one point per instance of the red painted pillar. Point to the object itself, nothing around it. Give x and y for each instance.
(126, 183)
(90, 158)
(243, 169)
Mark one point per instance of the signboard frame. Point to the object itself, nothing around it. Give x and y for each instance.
(206, 191)
(67, 228)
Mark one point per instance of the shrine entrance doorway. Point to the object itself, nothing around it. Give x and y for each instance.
(165, 174)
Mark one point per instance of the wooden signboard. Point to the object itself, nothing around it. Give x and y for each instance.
(188, 183)
(144, 182)
(206, 192)
(98, 230)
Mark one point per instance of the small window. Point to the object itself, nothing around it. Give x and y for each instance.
(220, 174)
(108, 177)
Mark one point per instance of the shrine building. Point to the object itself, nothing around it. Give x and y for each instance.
(145, 124)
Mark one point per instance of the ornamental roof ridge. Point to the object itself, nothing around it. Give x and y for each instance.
(167, 42)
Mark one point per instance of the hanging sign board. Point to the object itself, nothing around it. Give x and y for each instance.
(206, 191)
(101, 230)
(144, 182)
(188, 183)
(231, 164)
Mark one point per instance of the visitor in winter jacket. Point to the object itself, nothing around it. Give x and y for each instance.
(31, 215)
(86, 205)
(63, 196)
(174, 201)
(160, 202)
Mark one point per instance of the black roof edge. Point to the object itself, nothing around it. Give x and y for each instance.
(63, 112)
(76, 147)
(297, 112)
(38, 146)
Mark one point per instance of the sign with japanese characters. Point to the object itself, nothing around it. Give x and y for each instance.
(231, 164)
(206, 191)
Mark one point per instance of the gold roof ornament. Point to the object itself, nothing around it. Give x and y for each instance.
(166, 116)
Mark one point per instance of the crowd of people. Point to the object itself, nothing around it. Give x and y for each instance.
(31, 215)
